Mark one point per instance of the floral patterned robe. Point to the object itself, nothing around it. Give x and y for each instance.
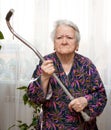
(83, 80)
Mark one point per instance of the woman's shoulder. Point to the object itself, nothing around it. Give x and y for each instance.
(50, 56)
(83, 59)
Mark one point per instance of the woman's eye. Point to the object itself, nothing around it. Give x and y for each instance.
(59, 37)
(70, 37)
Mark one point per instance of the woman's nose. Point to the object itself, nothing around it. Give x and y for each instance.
(64, 40)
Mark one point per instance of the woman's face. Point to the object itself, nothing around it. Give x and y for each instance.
(65, 40)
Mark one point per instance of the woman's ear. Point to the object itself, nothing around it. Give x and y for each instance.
(54, 48)
(77, 48)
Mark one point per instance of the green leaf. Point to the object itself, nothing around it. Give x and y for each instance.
(25, 98)
(0, 47)
(23, 88)
(34, 121)
(1, 35)
(23, 126)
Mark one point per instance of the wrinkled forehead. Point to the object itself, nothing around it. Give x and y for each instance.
(65, 29)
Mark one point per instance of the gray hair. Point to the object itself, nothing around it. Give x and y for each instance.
(68, 23)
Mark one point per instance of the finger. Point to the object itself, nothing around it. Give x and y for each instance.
(77, 108)
(46, 62)
(47, 70)
(47, 65)
(70, 108)
(71, 104)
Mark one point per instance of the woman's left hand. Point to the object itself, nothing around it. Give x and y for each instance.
(78, 104)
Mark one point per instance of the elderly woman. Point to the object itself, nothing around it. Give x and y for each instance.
(80, 77)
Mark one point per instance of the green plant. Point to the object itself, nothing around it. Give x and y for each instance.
(1, 37)
(36, 112)
(26, 100)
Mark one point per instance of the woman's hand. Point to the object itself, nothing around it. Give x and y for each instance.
(78, 104)
(47, 68)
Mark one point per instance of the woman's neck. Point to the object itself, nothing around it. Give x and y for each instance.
(66, 61)
(66, 58)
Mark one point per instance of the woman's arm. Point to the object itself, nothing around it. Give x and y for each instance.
(39, 89)
(96, 96)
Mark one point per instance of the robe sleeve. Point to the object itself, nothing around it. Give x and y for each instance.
(96, 96)
(35, 91)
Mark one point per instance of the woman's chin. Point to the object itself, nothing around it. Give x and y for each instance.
(65, 53)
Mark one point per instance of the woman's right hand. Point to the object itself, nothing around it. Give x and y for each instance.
(47, 68)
